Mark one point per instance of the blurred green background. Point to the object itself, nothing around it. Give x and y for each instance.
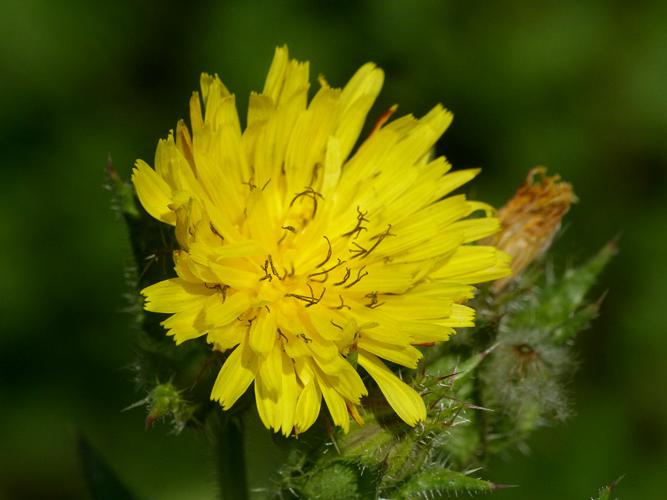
(579, 86)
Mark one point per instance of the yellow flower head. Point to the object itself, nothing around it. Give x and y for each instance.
(305, 260)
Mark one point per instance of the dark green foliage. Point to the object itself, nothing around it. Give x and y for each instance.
(102, 481)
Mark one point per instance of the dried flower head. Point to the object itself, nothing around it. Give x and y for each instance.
(305, 260)
(531, 219)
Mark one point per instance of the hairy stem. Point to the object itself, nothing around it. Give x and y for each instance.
(231, 459)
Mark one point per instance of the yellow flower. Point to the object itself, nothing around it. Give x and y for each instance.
(305, 260)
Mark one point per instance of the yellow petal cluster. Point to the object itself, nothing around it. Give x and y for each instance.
(305, 260)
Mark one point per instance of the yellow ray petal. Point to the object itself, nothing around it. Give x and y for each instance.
(224, 310)
(267, 406)
(174, 295)
(307, 407)
(228, 336)
(235, 376)
(474, 264)
(154, 193)
(270, 368)
(404, 355)
(288, 395)
(403, 399)
(263, 332)
(336, 405)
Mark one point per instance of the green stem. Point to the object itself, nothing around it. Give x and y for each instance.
(231, 460)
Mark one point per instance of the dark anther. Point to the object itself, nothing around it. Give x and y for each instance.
(220, 288)
(362, 252)
(267, 274)
(303, 337)
(274, 271)
(311, 299)
(379, 237)
(345, 278)
(359, 251)
(335, 324)
(329, 252)
(342, 303)
(373, 296)
(360, 274)
(316, 170)
(250, 184)
(291, 229)
(215, 231)
(310, 192)
(325, 272)
(359, 227)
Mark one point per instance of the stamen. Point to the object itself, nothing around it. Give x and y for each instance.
(359, 251)
(316, 171)
(325, 272)
(309, 300)
(267, 274)
(342, 303)
(360, 274)
(215, 231)
(274, 271)
(329, 252)
(362, 252)
(314, 195)
(347, 275)
(250, 184)
(291, 229)
(221, 288)
(303, 337)
(373, 296)
(361, 218)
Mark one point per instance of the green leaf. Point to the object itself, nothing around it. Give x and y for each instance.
(103, 483)
(559, 309)
(569, 294)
